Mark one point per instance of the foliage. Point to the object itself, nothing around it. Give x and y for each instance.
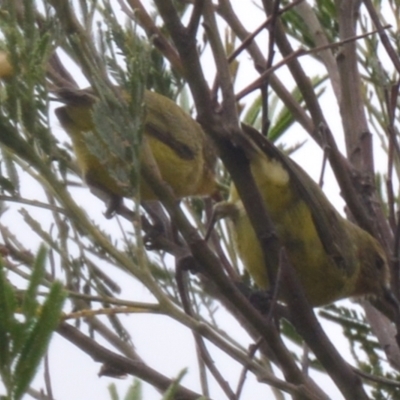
(25, 337)
(151, 260)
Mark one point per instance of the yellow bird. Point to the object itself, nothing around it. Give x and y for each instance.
(333, 257)
(184, 155)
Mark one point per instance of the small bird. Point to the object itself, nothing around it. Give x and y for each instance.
(333, 258)
(183, 153)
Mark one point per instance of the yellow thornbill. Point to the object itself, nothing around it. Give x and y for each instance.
(346, 261)
(185, 157)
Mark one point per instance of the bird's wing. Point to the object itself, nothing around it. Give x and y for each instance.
(182, 134)
(331, 227)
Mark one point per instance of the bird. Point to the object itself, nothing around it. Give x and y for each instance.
(184, 155)
(333, 258)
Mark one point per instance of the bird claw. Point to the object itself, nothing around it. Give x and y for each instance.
(261, 300)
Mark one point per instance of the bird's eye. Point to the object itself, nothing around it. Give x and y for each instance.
(379, 263)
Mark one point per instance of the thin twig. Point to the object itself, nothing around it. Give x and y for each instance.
(297, 54)
(377, 379)
(120, 363)
(252, 352)
(34, 203)
(382, 34)
(326, 149)
(195, 18)
(304, 320)
(201, 347)
(245, 43)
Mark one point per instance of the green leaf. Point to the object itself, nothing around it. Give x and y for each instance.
(8, 305)
(30, 303)
(134, 391)
(170, 393)
(281, 118)
(112, 389)
(36, 344)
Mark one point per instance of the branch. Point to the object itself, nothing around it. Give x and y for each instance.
(123, 364)
(382, 34)
(307, 325)
(226, 12)
(212, 269)
(153, 32)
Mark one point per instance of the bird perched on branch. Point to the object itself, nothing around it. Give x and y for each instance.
(183, 154)
(333, 258)
(175, 142)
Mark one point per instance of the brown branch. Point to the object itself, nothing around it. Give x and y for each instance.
(300, 77)
(195, 17)
(357, 137)
(270, 58)
(121, 363)
(201, 347)
(394, 149)
(186, 46)
(222, 125)
(212, 269)
(249, 39)
(271, 41)
(307, 325)
(385, 331)
(229, 109)
(308, 15)
(260, 81)
(395, 262)
(344, 174)
(253, 349)
(382, 34)
(376, 379)
(225, 10)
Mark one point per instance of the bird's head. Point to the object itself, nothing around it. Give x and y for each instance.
(374, 276)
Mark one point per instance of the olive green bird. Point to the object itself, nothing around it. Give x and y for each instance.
(333, 258)
(184, 155)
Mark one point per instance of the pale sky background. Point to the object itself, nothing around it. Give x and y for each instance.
(74, 374)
